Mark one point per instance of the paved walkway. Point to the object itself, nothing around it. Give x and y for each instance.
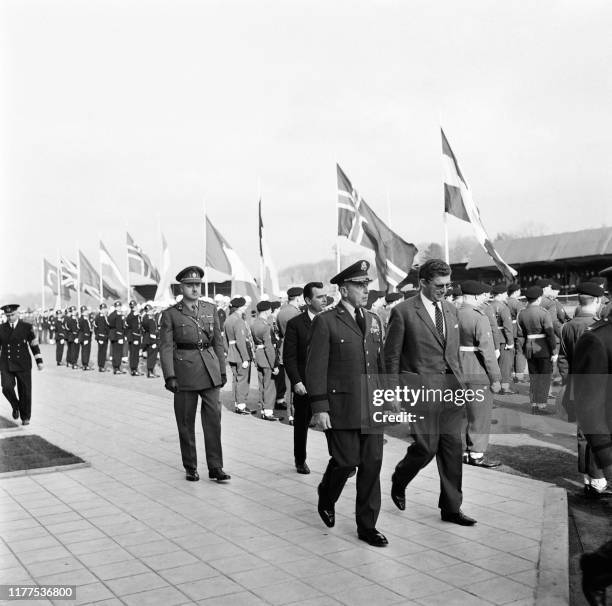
(130, 530)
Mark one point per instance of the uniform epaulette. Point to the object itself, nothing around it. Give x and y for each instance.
(178, 306)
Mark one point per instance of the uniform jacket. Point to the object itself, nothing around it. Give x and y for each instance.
(133, 328)
(295, 347)
(150, 332)
(116, 326)
(479, 366)
(101, 327)
(514, 305)
(533, 320)
(237, 337)
(490, 313)
(593, 389)
(550, 306)
(59, 329)
(265, 355)
(342, 366)
(504, 322)
(85, 329)
(285, 313)
(72, 329)
(194, 369)
(15, 347)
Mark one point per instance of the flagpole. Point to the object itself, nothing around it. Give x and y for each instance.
(161, 246)
(78, 284)
(261, 259)
(127, 262)
(43, 284)
(59, 281)
(388, 208)
(205, 250)
(446, 253)
(100, 270)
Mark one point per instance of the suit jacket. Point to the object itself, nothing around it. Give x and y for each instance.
(265, 355)
(237, 337)
(15, 347)
(285, 313)
(342, 366)
(295, 348)
(202, 367)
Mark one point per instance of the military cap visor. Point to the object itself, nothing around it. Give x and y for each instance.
(238, 302)
(295, 291)
(264, 306)
(103, 306)
(83, 307)
(590, 288)
(190, 275)
(117, 304)
(10, 308)
(357, 272)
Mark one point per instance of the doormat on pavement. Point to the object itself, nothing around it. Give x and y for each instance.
(5, 423)
(20, 453)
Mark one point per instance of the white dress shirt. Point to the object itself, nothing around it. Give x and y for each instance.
(431, 310)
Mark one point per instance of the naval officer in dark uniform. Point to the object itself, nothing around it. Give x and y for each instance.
(193, 363)
(344, 357)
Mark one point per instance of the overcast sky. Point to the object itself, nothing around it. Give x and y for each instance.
(115, 114)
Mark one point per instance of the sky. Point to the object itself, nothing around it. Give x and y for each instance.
(127, 115)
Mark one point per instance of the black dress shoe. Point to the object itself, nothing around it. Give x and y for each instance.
(25, 422)
(483, 462)
(218, 474)
(15, 413)
(327, 514)
(280, 406)
(398, 495)
(593, 493)
(303, 468)
(192, 476)
(508, 392)
(372, 537)
(457, 518)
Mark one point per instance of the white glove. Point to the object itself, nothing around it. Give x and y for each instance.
(153, 346)
(135, 342)
(101, 342)
(85, 342)
(120, 341)
(61, 341)
(76, 340)
(245, 364)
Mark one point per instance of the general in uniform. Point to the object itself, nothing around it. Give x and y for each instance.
(101, 332)
(85, 332)
(344, 353)
(17, 339)
(193, 364)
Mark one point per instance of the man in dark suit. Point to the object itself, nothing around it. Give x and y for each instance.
(343, 362)
(102, 330)
(294, 358)
(422, 352)
(16, 337)
(193, 363)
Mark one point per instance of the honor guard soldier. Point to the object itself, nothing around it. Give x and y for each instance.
(17, 339)
(506, 335)
(116, 336)
(85, 332)
(150, 334)
(344, 353)
(480, 372)
(72, 337)
(239, 353)
(59, 333)
(134, 337)
(102, 331)
(540, 348)
(514, 305)
(488, 309)
(193, 364)
(265, 360)
(548, 304)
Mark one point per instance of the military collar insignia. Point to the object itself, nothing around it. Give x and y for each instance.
(375, 329)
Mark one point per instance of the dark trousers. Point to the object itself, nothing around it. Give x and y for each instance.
(134, 353)
(72, 356)
(185, 407)
(86, 352)
(151, 356)
(349, 448)
(519, 358)
(506, 361)
(301, 422)
(102, 352)
(117, 354)
(22, 400)
(240, 383)
(587, 464)
(477, 421)
(438, 435)
(59, 351)
(279, 381)
(267, 391)
(540, 376)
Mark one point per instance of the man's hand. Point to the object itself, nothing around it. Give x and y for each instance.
(275, 370)
(300, 389)
(496, 387)
(245, 364)
(322, 420)
(172, 385)
(39, 365)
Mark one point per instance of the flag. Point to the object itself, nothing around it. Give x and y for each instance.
(222, 257)
(458, 202)
(50, 279)
(90, 281)
(69, 274)
(360, 224)
(270, 275)
(110, 272)
(163, 291)
(139, 263)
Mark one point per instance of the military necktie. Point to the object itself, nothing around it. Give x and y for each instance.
(439, 320)
(360, 320)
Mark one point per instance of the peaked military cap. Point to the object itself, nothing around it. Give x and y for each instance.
(264, 306)
(83, 308)
(10, 308)
(590, 288)
(238, 302)
(117, 304)
(295, 291)
(393, 296)
(533, 292)
(555, 285)
(473, 287)
(190, 275)
(498, 289)
(148, 307)
(357, 272)
(103, 306)
(513, 288)
(132, 303)
(58, 312)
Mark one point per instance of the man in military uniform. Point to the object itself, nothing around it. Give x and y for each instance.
(85, 331)
(193, 364)
(344, 353)
(150, 332)
(59, 333)
(72, 337)
(549, 294)
(505, 335)
(102, 330)
(16, 337)
(239, 353)
(514, 305)
(116, 336)
(490, 313)
(265, 360)
(480, 372)
(285, 313)
(134, 338)
(540, 348)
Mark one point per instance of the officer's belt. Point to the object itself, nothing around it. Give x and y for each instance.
(261, 346)
(232, 342)
(467, 348)
(540, 336)
(199, 345)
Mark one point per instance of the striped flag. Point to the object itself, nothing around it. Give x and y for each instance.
(69, 274)
(458, 202)
(110, 272)
(90, 281)
(139, 263)
(163, 291)
(270, 275)
(360, 224)
(51, 277)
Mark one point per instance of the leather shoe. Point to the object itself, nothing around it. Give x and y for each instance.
(242, 411)
(457, 518)
(508, 392)
(593, 493)
(218, 474)
(266, 417)
(25, 422)
(372, 537)
(398, 496)
(303, 468)
(15, 413)
(483, 462)
(328, 515)
(192, 476)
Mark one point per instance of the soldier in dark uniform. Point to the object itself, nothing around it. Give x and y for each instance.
(46, 319)
(505, 335)
(193, 364)
(16, 337)
(59, 333)
(134, 337)
(102, 330)
(150, 334)
(514, 305)
(116, 336)
(540, 348)
(72, 337)
(345, 351)
(285, 313)
(239, 353)
(85, 332)
(265, 360)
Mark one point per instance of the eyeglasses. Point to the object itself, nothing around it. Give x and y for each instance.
(441, 287)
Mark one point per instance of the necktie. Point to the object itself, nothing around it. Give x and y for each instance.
(360, 320)
(439, 321)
